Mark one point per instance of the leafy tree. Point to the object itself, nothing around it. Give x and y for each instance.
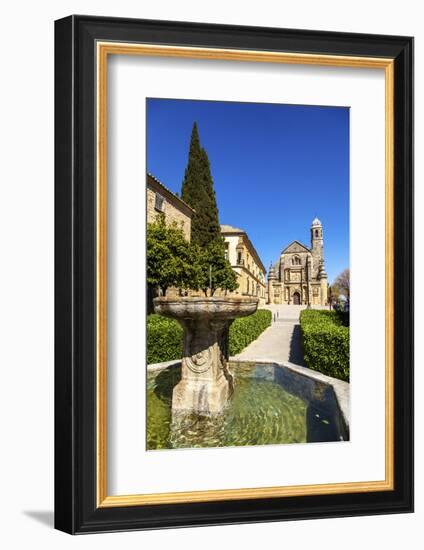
(343, 283)
(201, 264)
(211, 210)
(198, 192)
(210, 269)
(174, 262)
(171, 260)
(214, 269)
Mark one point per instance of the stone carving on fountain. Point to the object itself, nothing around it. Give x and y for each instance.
(206, 382)
(198, 345)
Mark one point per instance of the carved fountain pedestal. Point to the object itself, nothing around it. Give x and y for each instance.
(206, 383)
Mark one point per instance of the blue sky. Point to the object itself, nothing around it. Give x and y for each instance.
(275, 167)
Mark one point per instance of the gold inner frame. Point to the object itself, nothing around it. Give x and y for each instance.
(104, 49)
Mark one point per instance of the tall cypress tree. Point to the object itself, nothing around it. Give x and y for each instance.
(197, 191)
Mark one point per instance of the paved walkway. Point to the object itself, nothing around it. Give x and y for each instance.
(281, 341)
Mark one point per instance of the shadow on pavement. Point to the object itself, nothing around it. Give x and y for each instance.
(296, 351)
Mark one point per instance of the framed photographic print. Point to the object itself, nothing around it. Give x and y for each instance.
(234, 274)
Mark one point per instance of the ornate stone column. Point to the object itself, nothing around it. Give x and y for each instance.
(308, 280)
(322, 275)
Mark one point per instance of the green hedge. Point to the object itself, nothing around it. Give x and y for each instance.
(325, 343)
(164, 336)
(246, 329)
(164, 339)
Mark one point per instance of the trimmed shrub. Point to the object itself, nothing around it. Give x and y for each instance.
(325, 343)
(246, 329)
(165, 336)
(164, 339)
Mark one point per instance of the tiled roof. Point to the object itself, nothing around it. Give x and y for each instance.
(298, 243)
(231, 229)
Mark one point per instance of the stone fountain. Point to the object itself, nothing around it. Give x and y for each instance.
(206, 383)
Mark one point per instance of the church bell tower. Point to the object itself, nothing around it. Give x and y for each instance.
(316, 235)
(317, 245)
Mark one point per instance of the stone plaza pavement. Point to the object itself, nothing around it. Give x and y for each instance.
(281, 341)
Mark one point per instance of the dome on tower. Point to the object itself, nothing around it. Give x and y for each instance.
(316, 222)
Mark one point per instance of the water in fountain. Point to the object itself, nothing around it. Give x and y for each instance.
(260, 412)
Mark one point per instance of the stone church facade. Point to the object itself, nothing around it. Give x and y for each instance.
(299, 277)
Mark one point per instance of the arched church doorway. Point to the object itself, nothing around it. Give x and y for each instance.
(296, 299)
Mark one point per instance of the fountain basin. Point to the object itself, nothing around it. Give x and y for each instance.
(273, 403)
(218, 308)
(206, 383)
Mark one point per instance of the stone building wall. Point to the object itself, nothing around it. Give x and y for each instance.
(245, 261)
(171, 211)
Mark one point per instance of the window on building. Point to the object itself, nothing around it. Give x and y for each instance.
(296, 260)
(316, 233)
(226, 251)
(239, 258)
(159, 203)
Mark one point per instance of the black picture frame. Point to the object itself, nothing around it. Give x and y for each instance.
(76, 510)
